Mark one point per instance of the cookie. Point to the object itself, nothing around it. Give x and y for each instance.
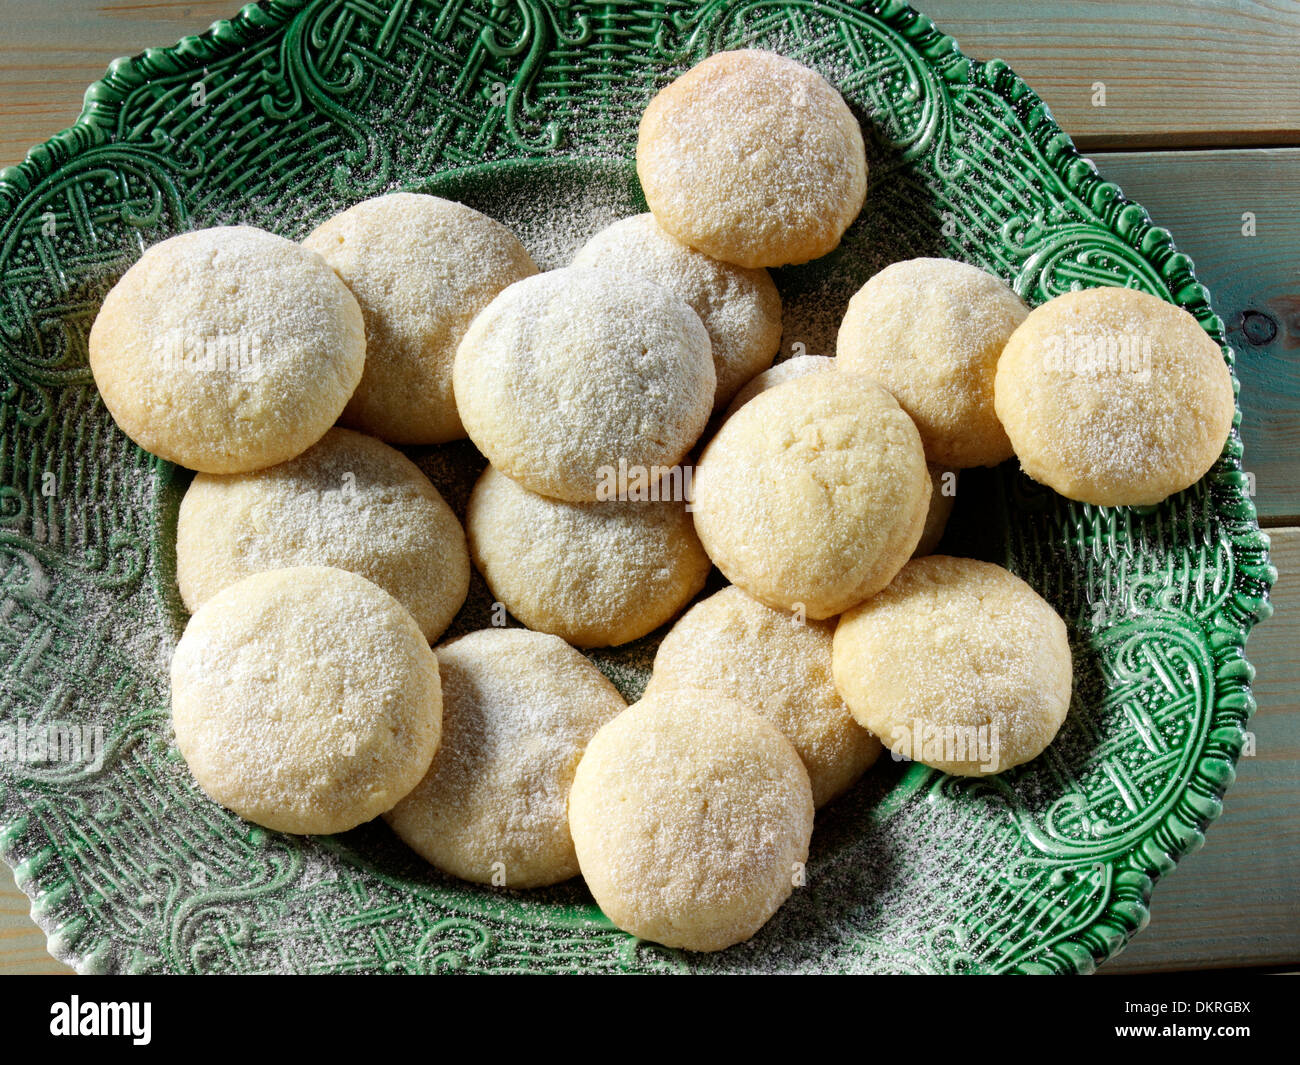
(691, 817)
(813, 494)
(958, 664)
(1114, 397)
(306, 700)
(740, 309)
(518, 710)
(227, 350)
(943, 497)
(421, 268)
(773, 663)
(931, 331)
(787, 370)
(348, 501)
(596, 574)
(753, 159)
(575, 374)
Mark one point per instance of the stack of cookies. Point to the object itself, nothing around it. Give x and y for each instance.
(320, 564)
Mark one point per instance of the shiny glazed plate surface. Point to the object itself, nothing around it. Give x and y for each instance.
(527, 109)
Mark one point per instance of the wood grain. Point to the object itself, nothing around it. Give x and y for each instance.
(22, 944)
(1184, 74)
(1177, 73)
(1254, 282)
(50, 51)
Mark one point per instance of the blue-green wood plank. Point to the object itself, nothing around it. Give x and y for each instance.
(1195, 73)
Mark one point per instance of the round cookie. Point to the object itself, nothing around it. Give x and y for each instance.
(958, 664)
(348, 501)
(813, 494)
(753, 159)
(788, 370)
(573, 373)
(931, 331)
(421, 268)
(597, 574)
(939, 511)
(740, 309)
(1114, 397)
(227, 350)
(778, 666)
(691, 818)
(306, 699)
(519, 709)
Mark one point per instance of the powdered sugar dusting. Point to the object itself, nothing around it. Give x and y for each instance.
(575, 371)
(1114, 397)
(519, 710)
(740, 309)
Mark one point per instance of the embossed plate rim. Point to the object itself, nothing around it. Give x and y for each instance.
(1123, 912)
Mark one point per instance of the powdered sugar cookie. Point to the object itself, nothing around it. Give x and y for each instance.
(788, 370)
(348, 501)
(306, 699)
(421, 268)
(740, 309)
(572, 373)
(691, 817)
(1114, 397)
(957, 664)
(931, 331)
(227, 350)
(943, 496)
(597, 574)
(520, 708)
(813, 494)
(753, 159)
(777, 665)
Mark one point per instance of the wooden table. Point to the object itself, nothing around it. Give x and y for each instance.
(1201, 124)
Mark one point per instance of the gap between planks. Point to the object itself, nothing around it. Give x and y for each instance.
(1208, 74)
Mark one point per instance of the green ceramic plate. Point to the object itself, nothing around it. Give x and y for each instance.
(527, 109)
